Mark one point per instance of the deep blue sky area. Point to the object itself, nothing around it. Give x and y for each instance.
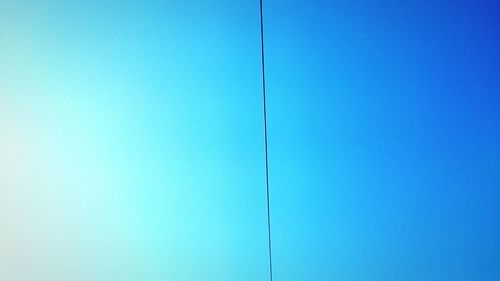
(384, 139)
(132, 142)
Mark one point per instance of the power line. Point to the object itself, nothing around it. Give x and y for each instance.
(265, 142)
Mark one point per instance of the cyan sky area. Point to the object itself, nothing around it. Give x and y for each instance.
(132, 142)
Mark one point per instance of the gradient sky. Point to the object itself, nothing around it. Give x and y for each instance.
(384, 139)
(131, 140)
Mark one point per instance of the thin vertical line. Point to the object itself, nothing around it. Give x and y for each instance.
(265, 142)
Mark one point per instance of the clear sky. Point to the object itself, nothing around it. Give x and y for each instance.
(384, 137)
(131, 140)
(132, 144)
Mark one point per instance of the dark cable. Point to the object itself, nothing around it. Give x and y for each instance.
(265, 142)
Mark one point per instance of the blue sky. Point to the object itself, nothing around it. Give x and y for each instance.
(384, 139)
(131, 140)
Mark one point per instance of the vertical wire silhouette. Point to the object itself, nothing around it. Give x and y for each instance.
(265, 142)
